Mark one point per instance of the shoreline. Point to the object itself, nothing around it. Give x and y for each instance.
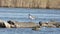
(31, 8)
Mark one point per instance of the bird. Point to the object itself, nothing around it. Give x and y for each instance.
(31, 17)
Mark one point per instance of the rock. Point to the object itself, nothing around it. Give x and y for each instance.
(36, 28)
(10, 22)
(2, 25)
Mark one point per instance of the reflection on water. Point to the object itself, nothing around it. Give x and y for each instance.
(21, 14)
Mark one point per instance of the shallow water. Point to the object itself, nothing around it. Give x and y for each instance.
(21, 15)
(29, 31)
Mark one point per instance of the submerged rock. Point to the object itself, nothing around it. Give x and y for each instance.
(36, 28)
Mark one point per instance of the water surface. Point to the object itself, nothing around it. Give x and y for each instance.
(21, 15)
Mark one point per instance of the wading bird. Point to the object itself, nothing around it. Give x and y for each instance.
(31, 17)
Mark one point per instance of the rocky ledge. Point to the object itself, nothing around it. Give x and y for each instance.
(34, 26)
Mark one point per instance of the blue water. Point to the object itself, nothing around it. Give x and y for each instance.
(21, 15)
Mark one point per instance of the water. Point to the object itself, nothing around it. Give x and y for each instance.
(29, 31)
(21, 15)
